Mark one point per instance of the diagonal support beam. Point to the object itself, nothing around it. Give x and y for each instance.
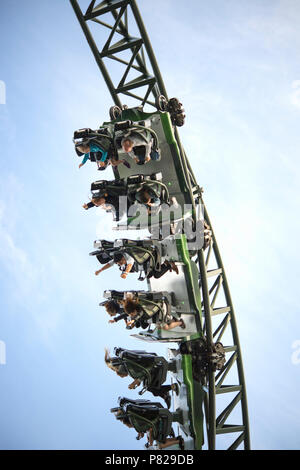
(140, 47)
(226, 412)
(130, 63)
(105, 7)
(114, 28)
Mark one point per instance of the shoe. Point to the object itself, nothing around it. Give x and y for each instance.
(127, 164)
(174, 267)
(167, 399)
(174, 202)
(180, 442)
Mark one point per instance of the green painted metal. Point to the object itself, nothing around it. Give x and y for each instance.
(192, 283)
(207, 296)
(236, 341)
(151, 78)
(195, 400)
(137, 114)
(168, 129)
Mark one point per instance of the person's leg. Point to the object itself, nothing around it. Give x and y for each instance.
(164, 268)
(173, 324)
(167, 266)
(171, 442)
(154, 155)
(140, 154)
(162, 392)
(141, 160)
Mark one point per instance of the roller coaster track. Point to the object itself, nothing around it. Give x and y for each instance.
(220, 412)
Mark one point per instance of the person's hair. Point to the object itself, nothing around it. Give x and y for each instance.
(125, 419)
(111, 307)
(144, 196)
(130, 306)
(82, 147)
(118, 257)
(126, 139)
(109, 363)
(97, 199)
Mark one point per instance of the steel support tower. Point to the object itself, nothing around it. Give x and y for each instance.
(127, 44)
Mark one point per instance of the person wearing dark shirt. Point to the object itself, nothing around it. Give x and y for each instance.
(145, 311)
(106, 202)
(93, 152)
(115, 309)
(138, 144)
(145, 371)
(152, 197)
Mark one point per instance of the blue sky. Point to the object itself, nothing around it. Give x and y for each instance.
(235, 66)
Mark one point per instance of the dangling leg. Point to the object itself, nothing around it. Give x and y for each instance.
(173, 324)
(154, 155)
(171, 442)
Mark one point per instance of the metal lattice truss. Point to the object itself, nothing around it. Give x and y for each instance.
(225, 406)
(127, 44)
(226, 397)
(226, 401)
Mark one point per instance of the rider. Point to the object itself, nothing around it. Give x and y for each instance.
(148, 418)
(145, 368)
(115, 309)
(138, 144)
(157, 312)
(91, 151)
(126, 264)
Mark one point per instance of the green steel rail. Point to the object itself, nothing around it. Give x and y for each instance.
(219, 321)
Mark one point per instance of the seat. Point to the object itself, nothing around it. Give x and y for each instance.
(151, 415)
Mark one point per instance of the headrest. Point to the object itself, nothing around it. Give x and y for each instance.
(78, 152)
(118, 256)
(139, 194)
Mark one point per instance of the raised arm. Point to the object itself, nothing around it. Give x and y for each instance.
(84, 160)
(106, 266)
(127, 271)
(88, 205)
(134, 384)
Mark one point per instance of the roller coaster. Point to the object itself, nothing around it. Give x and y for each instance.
(188, 302)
